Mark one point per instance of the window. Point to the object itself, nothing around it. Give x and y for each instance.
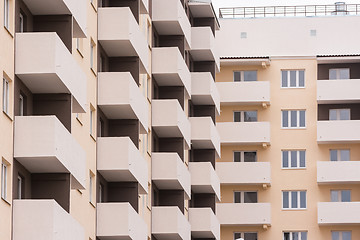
(5, 95)
(21, 105)
(293, 118)
(6, 14)
(3, 180)
(339, 73)
(245, 235)
(245, 116)
(295, 236)
(92, 121)
(245, 197)
(20, 186)
(92, 55)
(294, 199)
(101, 193)
(340, 155)
(340, 195)
(21, 22)
(245, 76)
(91, 185)
(293, 158)
(340, 235)
(339, 114)
(245, 156)
(293, 78)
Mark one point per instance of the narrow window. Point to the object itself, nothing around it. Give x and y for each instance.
(5, 95)
(6, 13)
(101, 193)
(21, 22)
(20, 183)
(3, 180)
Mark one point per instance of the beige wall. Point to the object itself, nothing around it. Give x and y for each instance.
(6, 120)
(281, 179)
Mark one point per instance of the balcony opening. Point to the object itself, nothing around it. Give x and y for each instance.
(203, 111)
(134, 5)
(205, 22)
(339, 71)
(172, 41)
(126, 64)
(203, 155)
(206, 66)
(332, 112)
(169, 145)
(203, 200)
(162, 92)
(123, 128)
(112, 192)
(168, 198)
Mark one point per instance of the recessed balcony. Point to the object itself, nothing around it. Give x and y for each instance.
(344, 131)
(45, 65)
(43, 145)
(204, 178)
(119, 97)
(118, 160)
(204, 223)
(338, 213)
(342, 172)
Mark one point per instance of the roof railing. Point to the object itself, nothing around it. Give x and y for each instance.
(339, 8)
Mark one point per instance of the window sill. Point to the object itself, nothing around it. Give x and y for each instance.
(79, 121)
(8, 31)
(293, 209)
(93, 138)
(292, 88)
(8, 203)
(81, 55)
(92, 204)
(79, 191)
(295, 128)
(8, 116)
(293, 168)
(93, 6)
(93, 71)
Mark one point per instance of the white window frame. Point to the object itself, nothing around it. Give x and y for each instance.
(242, 75)
(242, 155)
(289, 158)
(290, 198)
(338, 73)
(242, 195)
(339, 195)
(340, 234)
(4, 180)
(338, 155)
(297, 73)
(338, 110)
(289, 119)
(6, 14)
(242, 234)
(242, 115)
(298, 233)
(6, 95)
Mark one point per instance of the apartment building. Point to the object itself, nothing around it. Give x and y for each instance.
(108, 120)
(289, 125)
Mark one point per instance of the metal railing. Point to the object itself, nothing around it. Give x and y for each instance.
(287, 11)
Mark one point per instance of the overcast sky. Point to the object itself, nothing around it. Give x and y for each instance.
(251, 3)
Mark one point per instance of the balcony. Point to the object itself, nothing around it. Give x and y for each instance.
(169, 18)
(44, 220)
(204, 178)
(204, 223)
(244, 93)
(119, 221)
(338, 213)
(204, 90)
(78, 9)
(338, 91)
(169, 120)
(169, 67)
(118, 160)
(344, 172)
(203, 45)
(244, 214)
(244, 173)
(43, 145)
(244, 133)
(204, 134)
(335, 132)
(169, 172)
(45, 65)
(202, 9)
(120, 35)
(119, 97)
(168, 223)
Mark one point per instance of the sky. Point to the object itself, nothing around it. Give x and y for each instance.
(252, 3)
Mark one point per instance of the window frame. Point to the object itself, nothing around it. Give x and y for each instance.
(338, 73)
(5, 97)
(338, 115)
(297, 78)
(290, 200)
(242, 115)
(299, 233)
(7, 14)
(242, 234)
(341, 234)
(298, 151)
(339, 194)
(242, 75)
(242, 155)
(242, 196)
(4, 180)
(298, 111)
(338, 155)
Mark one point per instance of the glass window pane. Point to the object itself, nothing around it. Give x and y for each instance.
(302, 78)
(295, 236)
(250, 197)
(294, 200)
(332, 114)
(285, 119)
(237, 235)
(304, 236)
(285, 199)
(250, 116)
(346, 196)
(237, 156)
(333, 155)
(334, 196)
(302, 158)
(284, 78)
(250, 236)
(302, 199)
(237, 197)
(344, 73)
(249, 156)
(293, 118)
(292, 78)
(293, 158)
(302, 118)
(332, 74)
(237, 116)
(285, 156)
(346, 235)
(344, 114)
(286, 236)
(237, 76)
(250, 75)
(335, 235)
(345, 155)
